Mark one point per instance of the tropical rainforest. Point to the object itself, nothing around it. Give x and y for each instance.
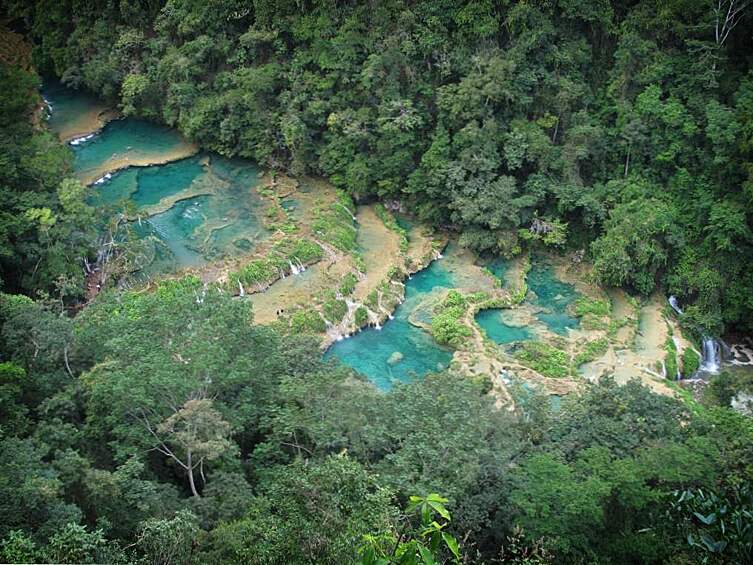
(166, 426)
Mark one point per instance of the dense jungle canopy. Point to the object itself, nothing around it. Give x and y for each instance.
(160, 427)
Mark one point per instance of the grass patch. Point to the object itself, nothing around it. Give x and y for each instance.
(585, 306)
(545, 359)
(593, 350)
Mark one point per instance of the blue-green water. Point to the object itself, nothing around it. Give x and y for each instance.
(370, 350)
(493, 324)
(145, 186)
(121, 141)
(223, 220)
(553, 296)
(68, 106)
(207, 206)
(499, 268)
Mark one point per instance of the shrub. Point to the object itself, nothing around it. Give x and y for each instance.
(334, 310)
(670, 361)
(348, 285)
(585, 306)
(690, 361)
(361, 316)
(307, 321)
(545, 359)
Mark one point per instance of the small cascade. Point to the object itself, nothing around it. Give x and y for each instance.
(678, 347)
(82, 139)
(374, 319)
(103, 179)
(674, 304)
(347, 210)
(301, 266)
(710, 358)
(242, 291)
(294, 270)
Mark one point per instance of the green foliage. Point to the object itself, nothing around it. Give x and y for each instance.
(361, 316)
(307, 514)
(447, 325)
(308, 321)
(46, 227)
(585, 306)
(593, 350)
(348, 285)
(690, 361)
(716, 527)
(258, 271)
(74, 544)
(335, 225)
(670, 360)
(334, 310)
(545, 359)
(426, 545)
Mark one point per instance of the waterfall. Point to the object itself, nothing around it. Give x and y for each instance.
(674, 305)
(347, 210)
(241, 289)
(710, 359)
(294, 270)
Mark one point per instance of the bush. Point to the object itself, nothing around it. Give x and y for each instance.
(446, 327)
(591, 306)
(256, 272)
(361, 316)
(348, 285)
(545, 359)
(334, 310)
(670, 361)
(690, 361)
(307, 321)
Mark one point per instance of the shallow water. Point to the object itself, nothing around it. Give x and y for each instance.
(553, 296)
(225, 220)
(370, 350)
(493, 324)
(74, 113)
(145, 186)
(499, 267)
(127, 142)
(196, 208)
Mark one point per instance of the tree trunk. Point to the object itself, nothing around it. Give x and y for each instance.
(190, 476)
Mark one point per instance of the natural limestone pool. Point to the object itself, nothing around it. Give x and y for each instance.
(399, 351)
(194, 208)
